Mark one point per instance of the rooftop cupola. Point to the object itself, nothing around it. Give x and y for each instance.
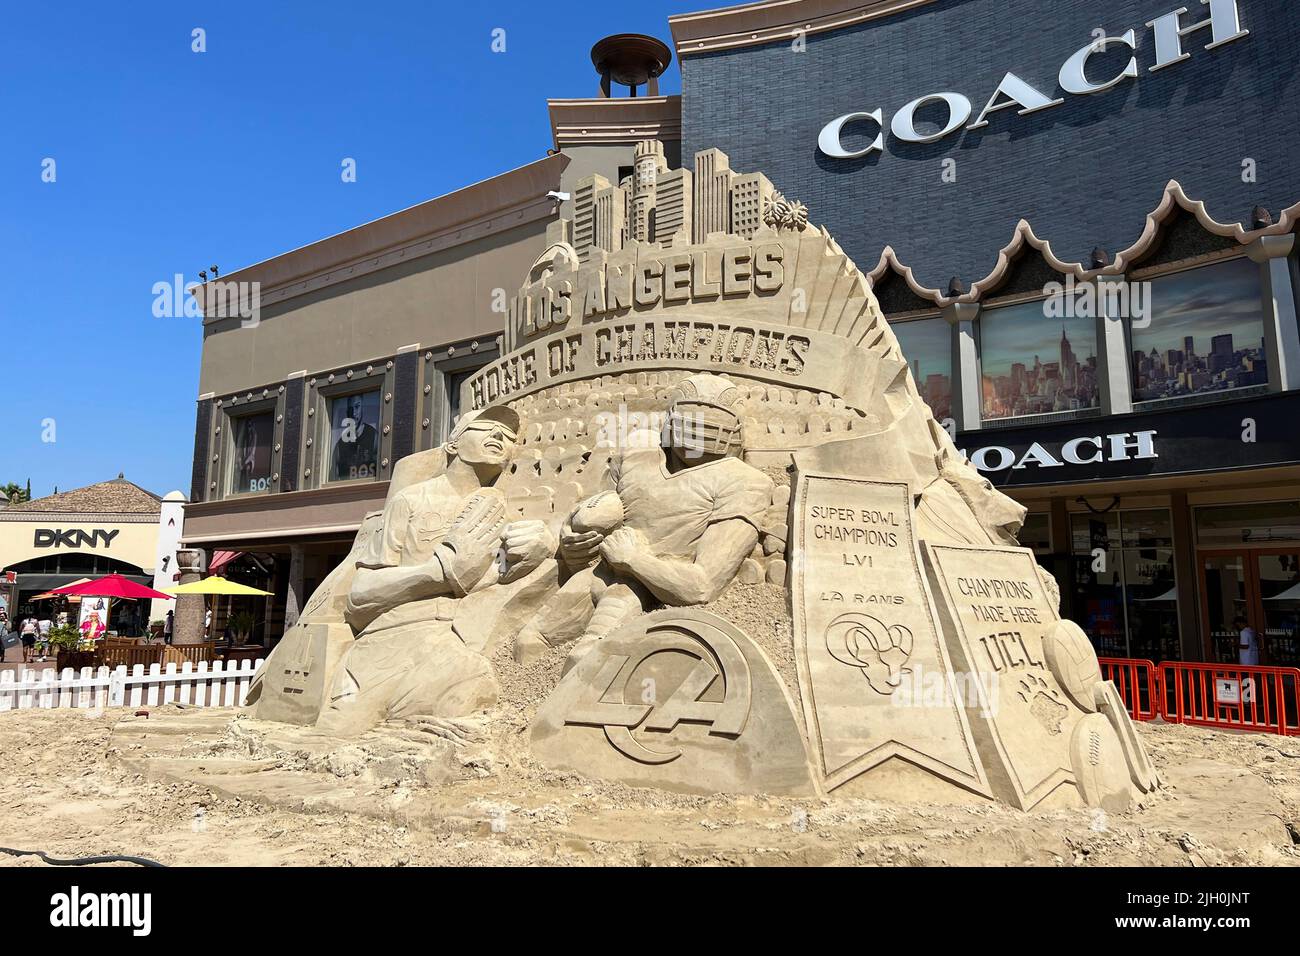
(631, 60)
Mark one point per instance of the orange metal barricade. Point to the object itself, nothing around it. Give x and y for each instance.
(1138, 683)
(1231, 696)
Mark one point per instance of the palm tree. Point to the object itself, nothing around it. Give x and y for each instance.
(16, 493)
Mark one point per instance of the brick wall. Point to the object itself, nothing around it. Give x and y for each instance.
(1085, 173)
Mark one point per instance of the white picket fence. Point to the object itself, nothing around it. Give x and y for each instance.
(202, 685)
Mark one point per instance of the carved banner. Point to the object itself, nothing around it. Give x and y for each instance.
(798, 358)
(875, 677)
(999, 612)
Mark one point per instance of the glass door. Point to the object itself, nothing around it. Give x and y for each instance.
(1261, 585)
(1226, 593)
(1279, 611)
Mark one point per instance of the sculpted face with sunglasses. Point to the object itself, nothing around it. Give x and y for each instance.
(438, 541)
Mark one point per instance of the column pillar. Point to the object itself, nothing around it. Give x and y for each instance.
(268, 634)
(1190, 639)
(1115, 381)
(965, 365)
(187, 625)
(1281, 332)
(295, 600)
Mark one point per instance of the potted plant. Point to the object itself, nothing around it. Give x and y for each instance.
(64, 637)
(241, 628)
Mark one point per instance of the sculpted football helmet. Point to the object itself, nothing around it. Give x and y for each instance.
(703, 419)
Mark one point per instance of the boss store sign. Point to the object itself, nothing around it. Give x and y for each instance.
(1230, 436)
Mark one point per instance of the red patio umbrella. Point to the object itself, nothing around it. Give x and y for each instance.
(112, 586)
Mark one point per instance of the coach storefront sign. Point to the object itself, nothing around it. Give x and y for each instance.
(74, 538)
(1219, 21)
(1083, 450)
(1250, 433)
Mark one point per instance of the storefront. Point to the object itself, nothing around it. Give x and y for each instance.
(1080, 220)
(105, 528)
(1173, 522)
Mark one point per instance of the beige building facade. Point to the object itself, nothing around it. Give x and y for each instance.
(357, 354)
(110, 527)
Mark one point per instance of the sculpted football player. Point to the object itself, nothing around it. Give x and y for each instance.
(675, 530)
(438, 541)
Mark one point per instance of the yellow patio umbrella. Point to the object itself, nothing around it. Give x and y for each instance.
(217, 585)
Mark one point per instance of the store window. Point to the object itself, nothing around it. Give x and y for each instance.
(354, 436)
(1036, 533)
(1036, 361)
(927, 346)
(454, 381)
(1249, 557)
(1205, 333)
(1279, 598)
(1259, 523)
(1126, 596)
(250, 461)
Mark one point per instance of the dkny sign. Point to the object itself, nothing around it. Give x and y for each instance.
(74, 538)
(1222, 20)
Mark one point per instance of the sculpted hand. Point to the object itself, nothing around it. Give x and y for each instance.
(579, 549)
(527, 544)
(621, 547)
(471, 544)
(462, 731)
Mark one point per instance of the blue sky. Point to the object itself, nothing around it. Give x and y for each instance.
(168, 161)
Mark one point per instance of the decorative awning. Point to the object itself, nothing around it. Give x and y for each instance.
(220, 559)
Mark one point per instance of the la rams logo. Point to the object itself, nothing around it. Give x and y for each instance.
(684, 672)
(880, 650)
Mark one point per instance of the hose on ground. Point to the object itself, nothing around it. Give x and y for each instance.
(81, 861)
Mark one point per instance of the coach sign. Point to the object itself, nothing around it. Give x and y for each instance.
(1222, 21)
(1251, 433)
(1081, 450)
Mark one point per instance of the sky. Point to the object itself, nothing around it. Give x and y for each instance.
(1204, 303)
(167, 160)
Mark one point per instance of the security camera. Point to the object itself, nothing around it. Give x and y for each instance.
(558, 196)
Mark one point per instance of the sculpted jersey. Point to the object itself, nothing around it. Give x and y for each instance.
(673, 510)
(413, 524)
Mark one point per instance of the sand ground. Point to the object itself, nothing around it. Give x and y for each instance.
(214, 788)
(202, 787)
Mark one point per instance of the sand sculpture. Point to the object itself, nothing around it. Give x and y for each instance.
(698, 392)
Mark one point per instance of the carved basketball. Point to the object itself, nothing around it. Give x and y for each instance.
(1073, 663)
(602, 512)
(1099, 765)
